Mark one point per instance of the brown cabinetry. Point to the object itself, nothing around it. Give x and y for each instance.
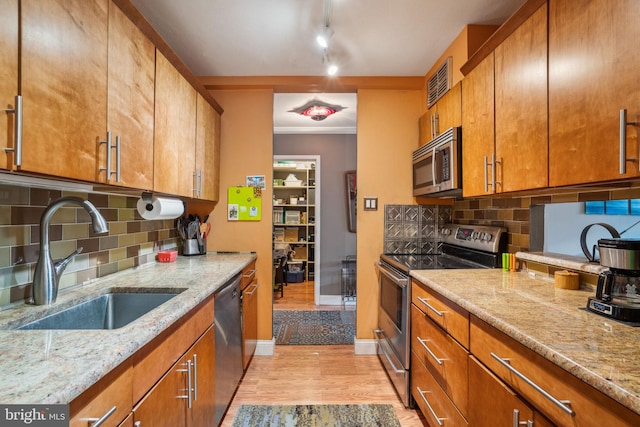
(126, 156)
(8, 78)
(249, 306)
(175, 131)
(593, 74)
(503, 95)
(63, 86)
(560, 396)
(444, 114)
(207, 156)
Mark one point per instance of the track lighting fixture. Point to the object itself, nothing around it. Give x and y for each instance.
(323, 39)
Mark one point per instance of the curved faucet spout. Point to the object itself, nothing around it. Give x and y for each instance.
(47, 273)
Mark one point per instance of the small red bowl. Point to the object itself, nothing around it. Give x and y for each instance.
(167, 256)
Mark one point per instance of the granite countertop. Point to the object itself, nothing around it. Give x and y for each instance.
(56, 366)
(552, 322)
(576, 263)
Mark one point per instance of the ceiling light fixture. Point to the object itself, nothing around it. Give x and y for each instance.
(317, 110)
(323, 38)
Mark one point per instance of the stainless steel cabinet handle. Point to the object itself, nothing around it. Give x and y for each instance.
(189, 386)
(117, 159)
(438, 360)
(426, 402)
(96, 422)
(562, 404)
(430, 307)
(255, 288)
(200, 184)
(436, 124)
(486, 174)
(251, 275)
(195, 183)
(195, 377)
(517, 422)
(623, 142)
(17, 129)
(107, 169)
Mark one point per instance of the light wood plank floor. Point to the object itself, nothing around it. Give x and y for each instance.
(318, 375)
(328, 374)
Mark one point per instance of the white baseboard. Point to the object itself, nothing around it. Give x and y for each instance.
(365, 346)
(330, 300)
(265, 347)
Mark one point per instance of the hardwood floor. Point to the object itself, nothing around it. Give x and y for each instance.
(317, 375)
(330, 374)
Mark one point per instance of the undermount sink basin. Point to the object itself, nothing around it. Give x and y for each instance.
(109, 311)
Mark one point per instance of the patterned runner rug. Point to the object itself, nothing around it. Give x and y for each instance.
(316, 416)
(314, 327)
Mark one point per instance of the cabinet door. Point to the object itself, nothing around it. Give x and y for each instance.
(8, 76)
(449, 110)
(203, 407)
(491, 402)
(207, 151)
(593, 74)
(478, 132)
(175, 131)
(64, 85)
(165, 404)
(130, 104)
(424, 129)
(521, 106)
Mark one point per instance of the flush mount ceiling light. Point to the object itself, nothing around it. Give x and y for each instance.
(317, 110)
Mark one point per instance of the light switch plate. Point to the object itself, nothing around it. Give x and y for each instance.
(370, 203)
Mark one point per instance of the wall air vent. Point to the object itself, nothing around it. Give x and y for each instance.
(439, 83)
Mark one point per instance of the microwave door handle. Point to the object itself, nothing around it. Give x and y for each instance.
(434, 159)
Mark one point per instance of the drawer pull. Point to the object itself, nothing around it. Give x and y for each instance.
(562, 404)
(517, 422)
(96, 422)
(436, 358)
(426, 402)
(251, 275)
(195, 377)
(430, 307)
(189, 385)
(255, 288)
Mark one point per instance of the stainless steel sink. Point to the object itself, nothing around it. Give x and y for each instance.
(109, 311)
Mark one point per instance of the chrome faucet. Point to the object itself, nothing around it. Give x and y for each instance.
(47, 273)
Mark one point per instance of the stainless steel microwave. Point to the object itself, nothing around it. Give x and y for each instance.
(437, 166)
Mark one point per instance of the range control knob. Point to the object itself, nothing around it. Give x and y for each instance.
(487, 237)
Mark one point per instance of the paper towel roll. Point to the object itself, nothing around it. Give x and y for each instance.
(160, 208)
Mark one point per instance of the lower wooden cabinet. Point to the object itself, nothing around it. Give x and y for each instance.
(249, 307)
(185, 395)
(437, 408)
(492, 403)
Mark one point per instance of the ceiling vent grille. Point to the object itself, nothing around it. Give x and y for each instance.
(439, 83)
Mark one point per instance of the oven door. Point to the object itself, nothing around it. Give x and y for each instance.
(392, 335)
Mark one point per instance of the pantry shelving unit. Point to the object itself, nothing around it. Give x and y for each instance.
(296, 209)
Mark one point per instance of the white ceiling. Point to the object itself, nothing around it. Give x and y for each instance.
(277, 37)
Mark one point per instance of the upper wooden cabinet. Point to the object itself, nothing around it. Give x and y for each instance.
(8, 77)
(444, 114)
(593, 74)
(504, 114)
(175, 131)
(478, 131)
(207, 166)
(63, 85)
(521, 107)
(130, 113)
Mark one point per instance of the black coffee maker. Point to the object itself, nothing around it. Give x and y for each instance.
(618, 290)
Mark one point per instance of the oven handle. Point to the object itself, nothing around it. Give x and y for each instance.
(398, 280)
(380, 333)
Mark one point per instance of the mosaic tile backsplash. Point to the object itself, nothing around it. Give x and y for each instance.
(131, 240)
(413, 229)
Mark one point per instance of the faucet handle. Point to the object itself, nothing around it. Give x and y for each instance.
(61, 264)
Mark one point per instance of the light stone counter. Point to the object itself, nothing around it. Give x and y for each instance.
(55, 366)
(552, 322)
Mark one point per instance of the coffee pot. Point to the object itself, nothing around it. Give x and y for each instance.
(617, 293)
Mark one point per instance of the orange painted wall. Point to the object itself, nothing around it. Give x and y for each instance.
(246, 148)
(387, 135)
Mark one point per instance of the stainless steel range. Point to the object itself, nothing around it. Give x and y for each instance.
(463, 246)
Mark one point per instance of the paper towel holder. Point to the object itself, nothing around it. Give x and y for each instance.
(147, 199)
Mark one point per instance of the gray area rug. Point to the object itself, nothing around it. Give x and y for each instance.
(314, 327)
(316, 416)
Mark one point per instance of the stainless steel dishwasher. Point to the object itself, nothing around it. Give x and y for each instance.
(228, 344)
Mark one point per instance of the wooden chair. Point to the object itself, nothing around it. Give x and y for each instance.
(280, 274)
